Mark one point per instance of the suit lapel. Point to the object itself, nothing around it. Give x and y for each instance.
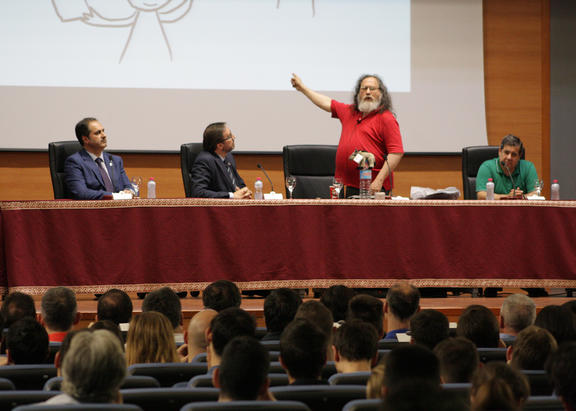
(224, 171)
(91, 165)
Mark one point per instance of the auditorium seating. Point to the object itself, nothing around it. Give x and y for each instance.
(320, 397)
(12, 399)
(80, 407)
(28, 377)
(168, 374)
(350, 378)
(131, 381)
(167, 399)
(247, 406)
(363, 405)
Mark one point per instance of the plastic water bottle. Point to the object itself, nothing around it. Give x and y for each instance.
(258, 185)
(365, 181)
(151, 188)
(490, 189)
(555, 191)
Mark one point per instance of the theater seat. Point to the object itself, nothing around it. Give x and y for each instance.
(80, 407)
(320, 397)
(12, 399)
(363, 405)
(492, 354)
(28, 377)
(543, 403)
(539, 382)
(168, 374)
(313, 166)
(167, 399)
(188, 154)
(58, 152)
(247, 406)
(350, 378)
(131, 381)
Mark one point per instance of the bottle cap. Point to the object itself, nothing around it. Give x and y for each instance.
(555, 181)
(151, 178)
(490, 179)
(258, 179)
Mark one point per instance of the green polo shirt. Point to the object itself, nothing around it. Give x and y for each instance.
(524, 176)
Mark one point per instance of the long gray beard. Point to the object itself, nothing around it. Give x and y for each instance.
(368, 106)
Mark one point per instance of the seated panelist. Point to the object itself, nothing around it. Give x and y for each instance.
(214, 173)
(92, 173)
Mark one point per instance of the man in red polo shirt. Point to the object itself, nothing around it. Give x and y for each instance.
(367, 125)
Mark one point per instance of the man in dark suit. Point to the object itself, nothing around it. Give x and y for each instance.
(214, 173)
(91, 173)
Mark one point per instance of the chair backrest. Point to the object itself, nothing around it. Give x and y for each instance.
(389, 343)
(350, 378)
(247, 406)
(58, 152)
(313, 166)
(131, 381)
(167, 399)
(80, 407)
(275, 379)
(28, 377)
(543, 403)
(168, 374)
(12, 399)
(188, 154)
(492, 354)
(320, 397)
(539, 382)
(363, 405)
(6, 384)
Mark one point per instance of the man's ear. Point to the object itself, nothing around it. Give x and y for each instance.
(386, 308)
(186, 337)
(41, 320)
(8, 357)
(57, 360)
(208, 335)
(374, 361)
(336, 353)
(509, 353)
(216, 377)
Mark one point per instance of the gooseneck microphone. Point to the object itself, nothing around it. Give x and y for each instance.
(266, 174)
(389, 171)
(511, 178)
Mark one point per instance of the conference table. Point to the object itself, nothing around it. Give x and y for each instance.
(138, 245)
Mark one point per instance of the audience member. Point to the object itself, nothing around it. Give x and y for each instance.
(518, 312)
(408, 363)
(559, 321)
(26, 343)
(165, 301)
(64, 347)
(17, 306)
(336, 299)
(110, 326)
(368, 309)
(479, 325)
(531, 349)
(416, 395)
(429, 327)
(243, 373)
(303, 348)
(458, 358)
(355, 346)
(150, 339)
(195, 337)
(402, 302)
(497, 386)
(317, 313)
(93, 370)
(227, 324)
(561, 368)
(280, 308)
(220, 295)
(59, 312)
(116, 306)
(375, 384)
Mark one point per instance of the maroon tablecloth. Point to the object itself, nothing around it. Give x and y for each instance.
(137, 245)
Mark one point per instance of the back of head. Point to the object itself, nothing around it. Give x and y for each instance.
(336, 299)
(303, 348)
(110, 326)
(458, 358)
(244, 369)
(356, 340)
(479, 325)
(164, 300)
(429, 327)
(421, 395)
(280, 308)
(116, 306)
(150, 339)
(497, 386)
(94, 367)
(27, 342)
(317, 313)
(559, 321)
(561, 369)
(518, 312)
(532, 347)
(408, 362)
(220, 295)
(369, 309)
(229, 323)
(59, 308)
(17, 306)
(403, 300)
(197, 330)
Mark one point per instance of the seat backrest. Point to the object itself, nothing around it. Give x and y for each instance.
(28, 377)
(350, 378)
(58, 152)
(188, 154)
(363, 405)
(6, 384)
(80, 407)
(539, 382)
(167, 399)
(492, 354)
(543, 403)
(131, 381)
(247, 406)
(320, 397)
(168, 374)
(11, 399)
(313, 166)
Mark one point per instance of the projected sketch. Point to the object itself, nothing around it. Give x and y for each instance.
(313, 7)
(146, 18)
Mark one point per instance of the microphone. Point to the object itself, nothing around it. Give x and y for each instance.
(266, 174)
(511, 178)
(359, 120)
(389, 170)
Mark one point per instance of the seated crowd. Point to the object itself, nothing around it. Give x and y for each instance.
(344, 333)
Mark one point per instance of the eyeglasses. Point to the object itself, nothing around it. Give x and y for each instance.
(366, 88)
(231, 136)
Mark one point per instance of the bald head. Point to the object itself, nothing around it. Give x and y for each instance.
(196, 334)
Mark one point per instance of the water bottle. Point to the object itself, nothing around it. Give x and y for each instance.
(555, 191)
(151, 188)
(490, 189)
(365, 181)
(258, 185)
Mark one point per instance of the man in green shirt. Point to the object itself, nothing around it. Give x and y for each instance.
(507, 164)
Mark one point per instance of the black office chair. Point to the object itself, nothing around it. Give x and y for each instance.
(247, 406)
(188, 154)
(58, 152)
(313, 166)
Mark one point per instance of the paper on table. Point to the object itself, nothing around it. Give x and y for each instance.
(121, 196)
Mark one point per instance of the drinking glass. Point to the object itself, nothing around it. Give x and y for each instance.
(337, 183)
(136, 183)
(290, 184)
(538, 186)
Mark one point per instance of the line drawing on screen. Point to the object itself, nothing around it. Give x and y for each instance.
(313, 7)
(145, 17)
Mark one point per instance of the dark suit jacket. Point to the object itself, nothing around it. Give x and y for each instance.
(84, 180)
(210, 178)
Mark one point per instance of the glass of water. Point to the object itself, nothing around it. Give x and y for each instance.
(538, 186)
(337, 183)
(291, 184)
(136, 184)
